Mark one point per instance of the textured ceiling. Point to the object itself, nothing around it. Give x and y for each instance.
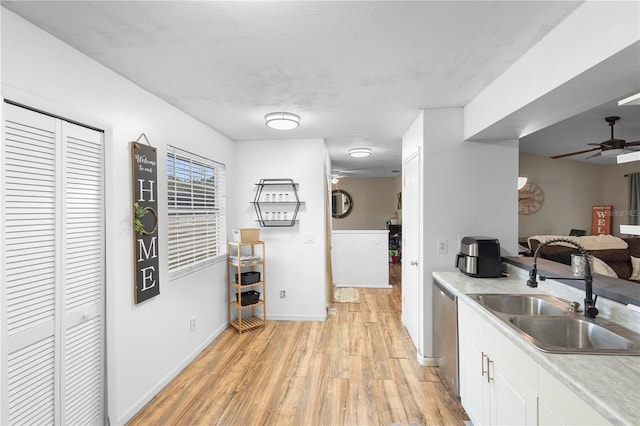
(357, 72)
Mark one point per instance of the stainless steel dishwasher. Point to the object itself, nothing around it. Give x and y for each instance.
(445, 334)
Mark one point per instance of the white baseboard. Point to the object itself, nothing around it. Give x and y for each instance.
(426, 362)
(284, 317)
(363, 285)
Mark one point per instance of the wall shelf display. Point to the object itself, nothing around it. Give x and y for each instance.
(247, 280)
(277, 203)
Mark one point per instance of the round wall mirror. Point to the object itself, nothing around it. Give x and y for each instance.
(341, 203)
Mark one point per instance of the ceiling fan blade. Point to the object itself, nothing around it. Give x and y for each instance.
(594, 155)
(575, 153)
(634, 143)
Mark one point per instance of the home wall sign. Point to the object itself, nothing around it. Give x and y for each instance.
(144, 164)
(601, 220)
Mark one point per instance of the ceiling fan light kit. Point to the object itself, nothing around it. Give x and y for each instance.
(282, 120)
(360, 152)
(609, 148)
(629, 157)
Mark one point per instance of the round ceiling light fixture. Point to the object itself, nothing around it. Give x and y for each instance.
(360, 152)
(282, 120)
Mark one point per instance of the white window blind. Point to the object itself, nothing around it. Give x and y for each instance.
(196, 214)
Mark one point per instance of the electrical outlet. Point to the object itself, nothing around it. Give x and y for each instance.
(443, 247)
(282, 294)
(192, 324)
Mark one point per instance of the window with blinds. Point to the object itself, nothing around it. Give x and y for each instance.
(196, 214)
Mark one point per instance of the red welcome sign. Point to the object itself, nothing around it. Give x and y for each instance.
(601, 220)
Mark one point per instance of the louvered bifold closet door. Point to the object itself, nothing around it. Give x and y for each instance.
(83, 280)
(51, 339)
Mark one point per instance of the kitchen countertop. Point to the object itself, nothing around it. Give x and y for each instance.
(610, 384)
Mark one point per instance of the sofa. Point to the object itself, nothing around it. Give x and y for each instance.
(615, 257)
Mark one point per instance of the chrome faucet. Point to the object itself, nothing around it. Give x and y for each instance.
(590, 310)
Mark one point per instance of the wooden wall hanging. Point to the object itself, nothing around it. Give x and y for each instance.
(144, 164)
(601, 220)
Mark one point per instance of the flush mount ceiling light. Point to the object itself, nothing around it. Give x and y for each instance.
(282, 120)
(360, 152)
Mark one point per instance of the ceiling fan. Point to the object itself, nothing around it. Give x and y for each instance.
(619, 145)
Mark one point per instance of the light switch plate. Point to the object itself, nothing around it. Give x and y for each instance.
(443, 247)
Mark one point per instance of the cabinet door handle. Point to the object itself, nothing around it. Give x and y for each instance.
(483, 357)
(489, 364)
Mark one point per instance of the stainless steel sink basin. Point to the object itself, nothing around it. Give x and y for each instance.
(577, 335)
(523, 304)
(549, 324)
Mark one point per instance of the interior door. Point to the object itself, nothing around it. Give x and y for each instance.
(52, 259)
(411, 232)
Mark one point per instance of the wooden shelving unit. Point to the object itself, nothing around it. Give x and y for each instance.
(246, 257)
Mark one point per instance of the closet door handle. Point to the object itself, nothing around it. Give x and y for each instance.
(414, 263)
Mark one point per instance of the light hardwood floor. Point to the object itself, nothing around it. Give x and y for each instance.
(357, 368)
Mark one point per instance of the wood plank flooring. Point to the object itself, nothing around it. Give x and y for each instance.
(357, 368)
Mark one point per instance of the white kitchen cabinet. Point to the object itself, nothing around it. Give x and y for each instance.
(501, 385)
(497, 380)
(558, 405)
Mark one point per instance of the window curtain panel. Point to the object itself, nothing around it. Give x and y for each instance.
(634, 199)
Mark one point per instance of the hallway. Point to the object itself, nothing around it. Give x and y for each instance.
(357, 368)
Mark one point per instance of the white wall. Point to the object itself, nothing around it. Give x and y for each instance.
(147, 344)
(293, 264)
(360, 258)
(550, 82)
(469, 188)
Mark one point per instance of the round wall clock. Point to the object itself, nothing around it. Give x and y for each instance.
(530, 199)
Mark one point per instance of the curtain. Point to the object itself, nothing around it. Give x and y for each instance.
(634, 199)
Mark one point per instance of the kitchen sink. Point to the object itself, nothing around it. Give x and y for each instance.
(549, 323)
(577, 335)
(523, 304)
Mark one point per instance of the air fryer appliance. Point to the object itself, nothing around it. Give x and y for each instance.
(480, 257)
